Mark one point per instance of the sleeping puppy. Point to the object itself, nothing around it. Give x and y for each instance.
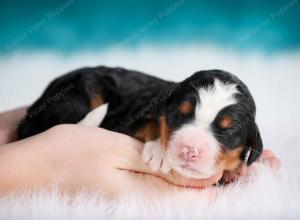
(198, 127)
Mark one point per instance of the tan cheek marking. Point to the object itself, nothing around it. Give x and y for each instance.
(148, 132)
(229, 159)
(226, 122)
(164, 132)
(186, 107)
(96, 101)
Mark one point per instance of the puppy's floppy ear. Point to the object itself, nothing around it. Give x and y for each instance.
(254, 144)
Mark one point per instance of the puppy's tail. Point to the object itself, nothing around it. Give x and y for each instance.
(95, 117)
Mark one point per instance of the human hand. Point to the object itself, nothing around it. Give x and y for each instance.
(9, 122)
(75, 157)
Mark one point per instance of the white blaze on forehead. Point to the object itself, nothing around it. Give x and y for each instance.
(212, 100)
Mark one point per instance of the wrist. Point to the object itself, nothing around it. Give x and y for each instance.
(25, 166)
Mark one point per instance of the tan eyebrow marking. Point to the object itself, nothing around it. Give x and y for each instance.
(186, 107)
(226, 122)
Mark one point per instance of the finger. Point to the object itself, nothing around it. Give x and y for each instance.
(179, 180)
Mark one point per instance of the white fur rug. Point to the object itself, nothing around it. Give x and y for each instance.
(266, 196)
(274, 82)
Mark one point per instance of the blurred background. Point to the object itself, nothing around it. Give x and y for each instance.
(70, 25)
(257, 40)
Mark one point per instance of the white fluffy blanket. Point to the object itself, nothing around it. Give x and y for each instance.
(266, 196)
(274, 84)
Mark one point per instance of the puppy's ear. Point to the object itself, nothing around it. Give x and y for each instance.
(254, 144)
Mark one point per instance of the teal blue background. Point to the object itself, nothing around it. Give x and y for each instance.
(107, 23)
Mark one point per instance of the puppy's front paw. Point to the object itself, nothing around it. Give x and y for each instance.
(154, 157)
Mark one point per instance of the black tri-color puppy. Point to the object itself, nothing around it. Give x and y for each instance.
(197, 127)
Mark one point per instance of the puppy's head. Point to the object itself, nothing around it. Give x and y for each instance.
(208, 125)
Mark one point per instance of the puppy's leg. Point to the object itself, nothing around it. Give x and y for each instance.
(95, 117)
(154, 156)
